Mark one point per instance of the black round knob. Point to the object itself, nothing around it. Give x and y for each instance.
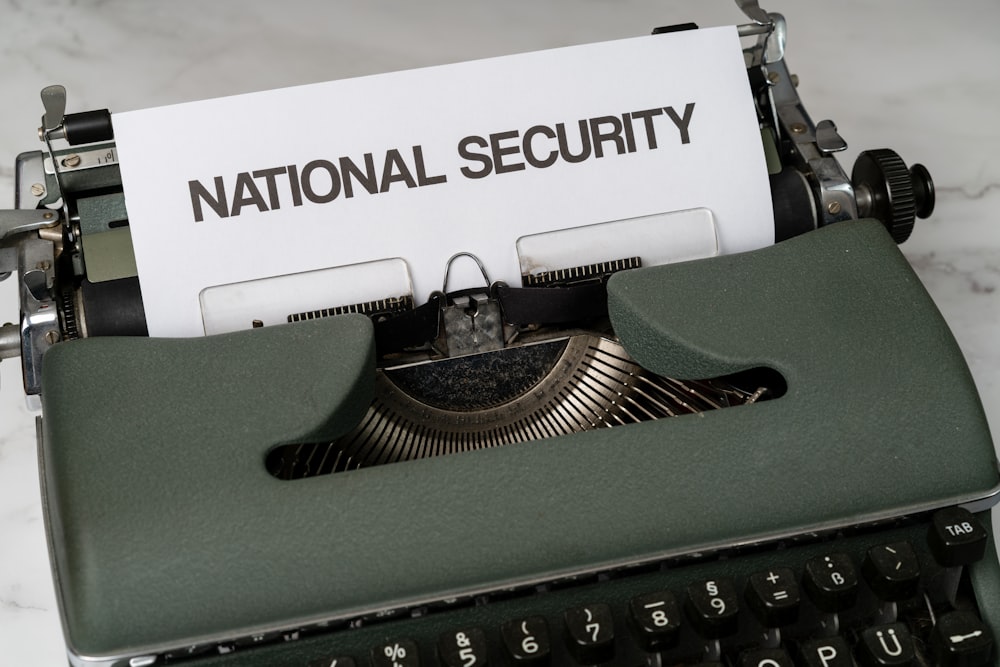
(923, 190)
(890, 192)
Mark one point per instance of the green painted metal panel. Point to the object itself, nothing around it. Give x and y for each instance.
(166, 528)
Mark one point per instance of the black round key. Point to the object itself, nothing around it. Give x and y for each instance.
(527, 640)
(713, 607)
(956, 537)
(402, 653)
(773, 596)
(961, 639)
(886, 646)
(831, 581)
(656, 618)
(590, 633)
(766, 657)
(340, 661)
(892, 571)
(463, 648)
(827, 652)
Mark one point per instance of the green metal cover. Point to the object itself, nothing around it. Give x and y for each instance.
(166, 529)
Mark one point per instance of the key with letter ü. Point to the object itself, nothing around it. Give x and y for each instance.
(885, 645)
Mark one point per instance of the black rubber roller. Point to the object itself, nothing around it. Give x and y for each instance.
(113, 308)
(793, 204)
(88, 127)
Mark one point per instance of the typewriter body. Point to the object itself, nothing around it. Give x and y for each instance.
(555, 473)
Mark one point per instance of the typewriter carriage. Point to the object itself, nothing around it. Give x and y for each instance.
(69, 242)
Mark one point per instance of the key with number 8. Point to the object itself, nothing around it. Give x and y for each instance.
(655, 618)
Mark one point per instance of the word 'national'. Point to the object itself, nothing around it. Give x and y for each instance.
(319, 182)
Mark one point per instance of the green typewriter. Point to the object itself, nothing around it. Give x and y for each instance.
(764, 459)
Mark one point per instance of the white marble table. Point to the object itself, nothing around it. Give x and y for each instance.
(918, 77)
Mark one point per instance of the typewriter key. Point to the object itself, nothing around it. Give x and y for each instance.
(960, 638)
(831, 582)
(773, 596)
(463, 648)
(713, 607)
(886, 645)
(892, 570)
(341, 661)
(956, 537)
(527, 640)
(656, 619)
(590, 633)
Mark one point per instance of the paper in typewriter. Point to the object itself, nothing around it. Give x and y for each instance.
(426, 163)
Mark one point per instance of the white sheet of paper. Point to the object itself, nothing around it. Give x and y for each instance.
(464, 157)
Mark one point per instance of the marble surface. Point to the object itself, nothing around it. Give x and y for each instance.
(914, 76)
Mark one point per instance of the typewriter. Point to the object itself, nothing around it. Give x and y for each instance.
(764, 459)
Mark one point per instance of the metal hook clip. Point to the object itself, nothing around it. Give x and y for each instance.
(479, 263)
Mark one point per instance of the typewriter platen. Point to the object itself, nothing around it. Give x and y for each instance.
(478, 556)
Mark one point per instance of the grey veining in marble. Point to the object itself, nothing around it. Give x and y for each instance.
(919, 77)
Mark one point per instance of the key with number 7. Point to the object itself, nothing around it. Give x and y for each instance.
(590, 633)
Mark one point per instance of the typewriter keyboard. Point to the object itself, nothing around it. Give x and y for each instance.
(895, 594)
